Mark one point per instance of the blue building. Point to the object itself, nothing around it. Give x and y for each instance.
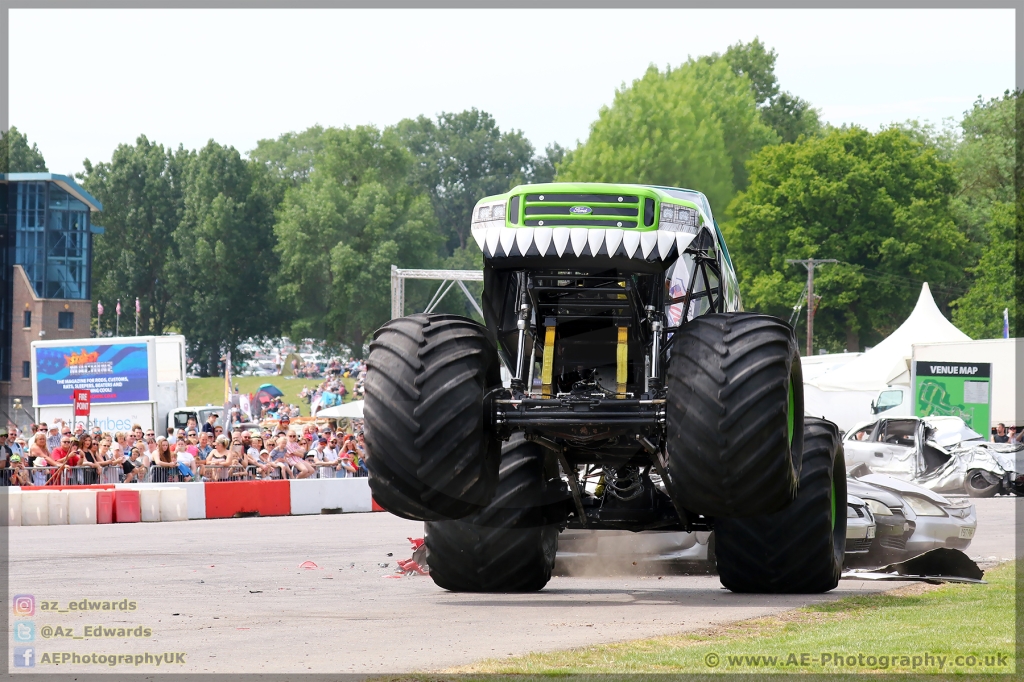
(46, 236)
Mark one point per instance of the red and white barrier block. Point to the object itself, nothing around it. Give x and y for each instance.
(153, 502)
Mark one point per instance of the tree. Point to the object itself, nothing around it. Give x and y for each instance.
(985, 162)
(339, 234)
(880, 203)
(17, 157)
(788, 115)
(290, 156)
(225, 243)
(141, 190)
(461, 158)
(545, 167)
(979, 312)
(693, 126)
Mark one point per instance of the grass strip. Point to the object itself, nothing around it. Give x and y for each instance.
(950, 629)
(210, 390)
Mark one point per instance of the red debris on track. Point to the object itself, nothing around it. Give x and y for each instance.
(309, 565)
(417, 565)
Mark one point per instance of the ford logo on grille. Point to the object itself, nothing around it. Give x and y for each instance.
(580, 210)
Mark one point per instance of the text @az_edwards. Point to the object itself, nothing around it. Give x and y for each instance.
(860, 660)
(95, 632)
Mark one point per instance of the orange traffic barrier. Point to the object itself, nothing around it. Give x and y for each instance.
(127, 508)
(237, 498)
(104, 506)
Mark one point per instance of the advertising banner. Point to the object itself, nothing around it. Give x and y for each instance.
(955, 389)
(111, 372)
(83, 399)
(110, 418)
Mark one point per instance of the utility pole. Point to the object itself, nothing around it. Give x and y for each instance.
(810, 264)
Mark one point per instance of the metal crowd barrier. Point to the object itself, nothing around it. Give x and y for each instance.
(114, 473)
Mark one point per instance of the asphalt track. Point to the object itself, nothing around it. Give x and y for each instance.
(231, 596)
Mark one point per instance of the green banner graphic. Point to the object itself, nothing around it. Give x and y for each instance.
(956, 389)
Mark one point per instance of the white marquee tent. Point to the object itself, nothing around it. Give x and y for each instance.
(352, 410)
(844, 393)
(886, 362)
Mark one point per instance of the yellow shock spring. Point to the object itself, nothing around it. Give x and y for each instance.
(547, 364)
(621, 357)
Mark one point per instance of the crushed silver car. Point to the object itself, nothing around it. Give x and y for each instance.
(600, 551)
(860, 526)
(938, 521)
(938, 453)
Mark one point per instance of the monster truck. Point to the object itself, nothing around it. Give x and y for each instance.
(640, 397)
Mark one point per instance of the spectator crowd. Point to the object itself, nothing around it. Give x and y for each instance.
(64, 454)
(332, 390)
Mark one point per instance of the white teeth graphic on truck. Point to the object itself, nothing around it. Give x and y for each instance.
(561, 237)
(508, 238)
(493, 233)
(497, 241)
(648, 240)
(683, 240)
(479, 234)
(612, 239)
(542, 237)
(524, 239)
(666, 240)
(630, 240)
(578, 235)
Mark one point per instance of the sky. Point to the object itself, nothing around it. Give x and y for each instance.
(84, 81)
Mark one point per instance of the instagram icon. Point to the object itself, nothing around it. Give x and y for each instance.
(24, 604)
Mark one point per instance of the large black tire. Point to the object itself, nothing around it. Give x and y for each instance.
(800, 549)
(977, 483)
(510, 545)
(735, 415)
(430, 453)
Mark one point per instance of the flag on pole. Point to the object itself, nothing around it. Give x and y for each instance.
(118, 309)
(99, 308)
(227, 379)
(1006, 323)
(138, 308)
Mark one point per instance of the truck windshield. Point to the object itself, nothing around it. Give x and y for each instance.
(888, 400)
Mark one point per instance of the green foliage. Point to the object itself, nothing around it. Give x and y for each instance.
(461, 158)
(16, 156)
(788, 115)
(757, 63)
(339, 234)
(290, 156)
(979, 312)
(693, 126)
(546, 167)
(878, 202)
(985, 210)
(141, 190)
(220, 287)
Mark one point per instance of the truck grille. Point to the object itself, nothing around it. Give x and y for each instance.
(582, 210)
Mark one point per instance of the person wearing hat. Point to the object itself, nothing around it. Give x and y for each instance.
(53, 438)
(318, 453)
(18, 474)
(209, 425)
